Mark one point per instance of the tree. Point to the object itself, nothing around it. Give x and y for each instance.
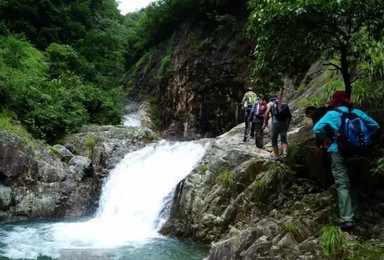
(292, 34)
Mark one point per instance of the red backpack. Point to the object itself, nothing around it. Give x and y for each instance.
(261, 108)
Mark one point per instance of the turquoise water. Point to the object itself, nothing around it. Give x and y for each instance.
(34, 239)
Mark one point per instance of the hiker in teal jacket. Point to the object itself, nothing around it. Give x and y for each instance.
(347, 196)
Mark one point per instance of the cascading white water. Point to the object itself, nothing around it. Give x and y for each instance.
(132, 117)
(131, 200)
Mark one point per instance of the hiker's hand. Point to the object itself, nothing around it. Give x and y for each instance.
(263, 126)
(327, 143)
(318, 149)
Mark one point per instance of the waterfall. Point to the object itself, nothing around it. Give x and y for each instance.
(132, 115)
(132, 199)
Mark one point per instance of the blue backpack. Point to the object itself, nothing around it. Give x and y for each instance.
(353, 137)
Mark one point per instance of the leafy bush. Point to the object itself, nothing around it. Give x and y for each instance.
(90, 142)
(51, 108)
(358, 250)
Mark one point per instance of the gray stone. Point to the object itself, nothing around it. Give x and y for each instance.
(81, 166)
(64, 153)
(288, 241)
(5, 197)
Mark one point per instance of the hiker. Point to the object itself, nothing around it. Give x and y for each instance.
(281, 118)
(249, 99)
(346, 188)
(257, 117)
(316, 113)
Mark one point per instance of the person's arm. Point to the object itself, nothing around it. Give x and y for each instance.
(243, 100)
(319, 129)
(372, 125)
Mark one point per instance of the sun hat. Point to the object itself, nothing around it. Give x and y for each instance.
(340, 98)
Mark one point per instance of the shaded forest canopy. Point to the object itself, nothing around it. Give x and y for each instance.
(64, 63)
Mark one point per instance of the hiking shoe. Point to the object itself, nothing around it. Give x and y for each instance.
(346, 226)
(285, 155)
(245, 139)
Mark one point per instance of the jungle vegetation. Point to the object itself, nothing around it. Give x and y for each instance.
(64, 64)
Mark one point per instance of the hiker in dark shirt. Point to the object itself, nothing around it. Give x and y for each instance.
(316, 113)
(257, 117)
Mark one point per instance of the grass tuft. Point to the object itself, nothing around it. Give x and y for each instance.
(333, 242)
(225, 178)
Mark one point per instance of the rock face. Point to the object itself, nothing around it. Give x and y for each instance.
(39, 181)
(197, 81)
(251, 207)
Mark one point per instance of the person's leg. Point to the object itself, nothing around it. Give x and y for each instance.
(274, 136)
(283, 137)
(340, 174)
(252, 134)
(246, 115)
(259, 133)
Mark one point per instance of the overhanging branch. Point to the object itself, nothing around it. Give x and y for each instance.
(333, 65)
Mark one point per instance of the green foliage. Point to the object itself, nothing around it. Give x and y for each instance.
(50, 107)
(365, 251)
(90, 142)
(378, 167)
(332, 241)
(318, 29)
(225, 178)
(365, 94)
(161, 19)
(297, 229)
(163, 66)
(84, 43)
(64, 60)
(54, 150)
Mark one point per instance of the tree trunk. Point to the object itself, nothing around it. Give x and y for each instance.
(345, 69)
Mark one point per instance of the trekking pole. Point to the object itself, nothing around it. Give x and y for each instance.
(280, 103)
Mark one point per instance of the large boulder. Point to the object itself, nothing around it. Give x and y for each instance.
(40, 181)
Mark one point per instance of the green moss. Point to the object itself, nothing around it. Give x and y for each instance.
(202, 168)
(54, 150)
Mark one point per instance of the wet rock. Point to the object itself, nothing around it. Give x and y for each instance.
(5, 197)
(81, 167)
(63, 152)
